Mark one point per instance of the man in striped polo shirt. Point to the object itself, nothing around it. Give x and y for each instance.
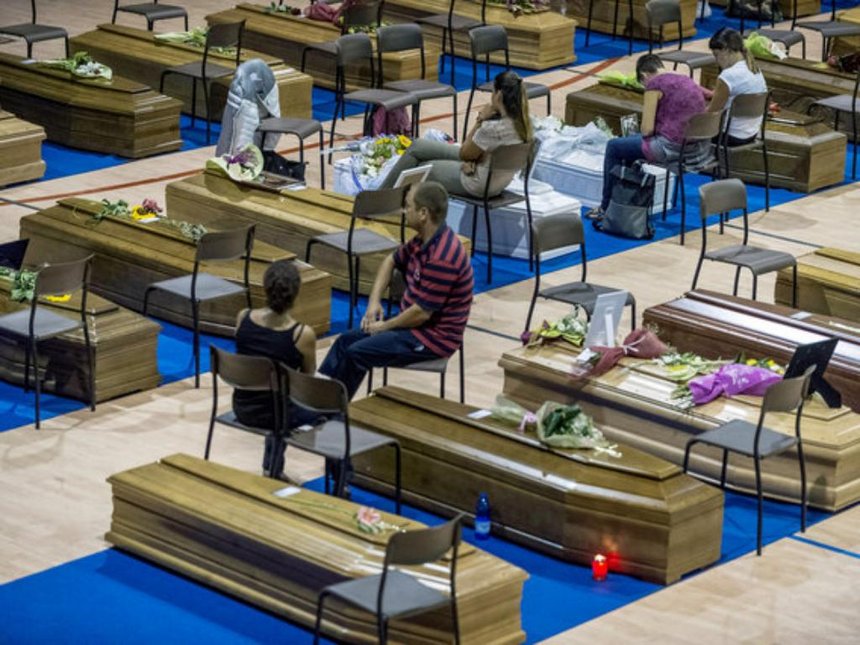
(435, 304)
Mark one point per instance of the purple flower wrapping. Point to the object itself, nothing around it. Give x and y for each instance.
(731, 380)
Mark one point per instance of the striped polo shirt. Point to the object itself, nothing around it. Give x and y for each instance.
(439, 280)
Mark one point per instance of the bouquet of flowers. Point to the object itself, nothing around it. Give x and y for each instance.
(245, 165)
(375, 159)
(149, 210)
(520, 7)
(274, 7)
(614, 77)
(571, 328)
(195, 38)
(80, 64)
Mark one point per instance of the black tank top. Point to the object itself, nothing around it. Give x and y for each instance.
(255, 408)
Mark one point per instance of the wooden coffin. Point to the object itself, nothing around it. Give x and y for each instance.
(20, 150)
(656, 522)
(124, 345)
(287, 220)
(230, 530)
(119, 116)
(536, 40)
(286, 36)
(603, 18)
(828, 282)
(716, 325)
(804, 8)
(633, 403)
(805, 154)
(136, 54)
(130, 256)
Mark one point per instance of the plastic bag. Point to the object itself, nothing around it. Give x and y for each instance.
(764, 47)
(731, 380)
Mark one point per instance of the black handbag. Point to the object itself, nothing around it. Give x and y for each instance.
(629, 210)
(275, 163)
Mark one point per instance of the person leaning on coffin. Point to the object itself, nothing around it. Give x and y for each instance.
(670, 100)
(739, 75)
(463, 169)
(253, 96)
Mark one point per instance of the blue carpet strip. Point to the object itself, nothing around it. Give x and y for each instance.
(824, 545)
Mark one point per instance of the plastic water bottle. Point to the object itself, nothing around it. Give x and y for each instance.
(482, 517)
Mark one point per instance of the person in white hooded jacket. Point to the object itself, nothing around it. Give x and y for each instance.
(253, 96)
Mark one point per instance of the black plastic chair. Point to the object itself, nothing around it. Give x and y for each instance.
(36, 324)
(829, 29)
(396, 594)
(518, 157)
(556, 232)
(220, 35)
(758, 442)
(663, 12)
(844, 103)
(450, 23)
(335, 438)
(747, 106)
(252, 374)
(614, 23)
(151, 12)
(301, 129)
(200, 287)
(788, 37)
(32, 32)
(724, 196)
(404, 37)
(355, 243)
(488, 40)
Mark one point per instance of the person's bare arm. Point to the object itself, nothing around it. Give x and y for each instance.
(720, 98)
(649, 111)
(307, 346)
(374, 301)
(413, 316)
(469, 150)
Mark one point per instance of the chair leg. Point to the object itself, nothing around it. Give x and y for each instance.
(453, 55)
(474, 229)
(462, 376)
(588, 22)
(27, 368)
(489, 244)
(794, 286)
(397, 483)
(369, 381)
(737, 281)
(802, 461)
(322, 159)
(442, 385)
(193, 102)
(724, 468)
(318, 623)
(66, 39)
(195, 320)
(633, 316)
(91, 365)
(686, 463)
(531, 313)
(683, 203)
(760, 505)
(696, 274)
(38, 384)
(208, 111)
(454, 100)
(754, 286)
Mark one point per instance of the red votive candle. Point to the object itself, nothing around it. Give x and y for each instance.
(599, 567)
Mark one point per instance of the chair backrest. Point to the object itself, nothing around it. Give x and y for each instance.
(512, 157)
(788, 394)
(362, 13)
(722, 196)
(660, 13)
(703, 127)
(488, 39)
(225, 35)
(226, 245)
(385, 202)
(318, 394)
(557, 231)
(62, 278)
(244, 372)
(423, 545)
(398, 38)
(451, 5)
(354, 47)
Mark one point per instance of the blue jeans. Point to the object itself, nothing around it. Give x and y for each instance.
(355, 352)
(622, 151)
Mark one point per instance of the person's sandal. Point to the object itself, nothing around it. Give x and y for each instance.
(595, 213)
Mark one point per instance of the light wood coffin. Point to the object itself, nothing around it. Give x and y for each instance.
(20, 150)
(228, 529)
(633, 403)
(119, 116)
(846, 44)
(716, 325)
(536, 40)
(286, 36)
(804, 154)
(656, 522)
(603, 17)
(287, 220)
(828, 282)
(136, 54)
(124, 345)
(130, 256)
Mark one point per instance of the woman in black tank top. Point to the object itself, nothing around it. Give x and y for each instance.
(272, 332)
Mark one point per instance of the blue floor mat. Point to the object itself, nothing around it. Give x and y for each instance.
(114, 597)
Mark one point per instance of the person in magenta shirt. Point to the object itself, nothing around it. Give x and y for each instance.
(669, 102)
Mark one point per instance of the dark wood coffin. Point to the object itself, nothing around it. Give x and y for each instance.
(231, 531)
(287, 219)
(136, 54)
(828, 282)
(632, 403)
(537, 40)
(603, 18)
(716, 325)
(655, 522)
(805, 154)
(285, 37)
(130, 256)
(124, 344)
(20, 150)
(119, 116)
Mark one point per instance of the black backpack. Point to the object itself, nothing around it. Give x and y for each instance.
(275, 163)
(629, 210)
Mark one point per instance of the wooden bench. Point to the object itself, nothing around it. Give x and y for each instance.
(632, 403)
(232, 531)
(138, 55)
(119, 116)
(20, 150)
(130, 256)
(655, 522)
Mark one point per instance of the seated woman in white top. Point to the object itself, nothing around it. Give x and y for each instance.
(463, 169)
(739, 75)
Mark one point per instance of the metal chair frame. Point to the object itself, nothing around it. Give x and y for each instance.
(663, 12)
(844, 103)
(614, 23)
(151, 12)
(450, 23)
(32, 32)
(748, 105)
